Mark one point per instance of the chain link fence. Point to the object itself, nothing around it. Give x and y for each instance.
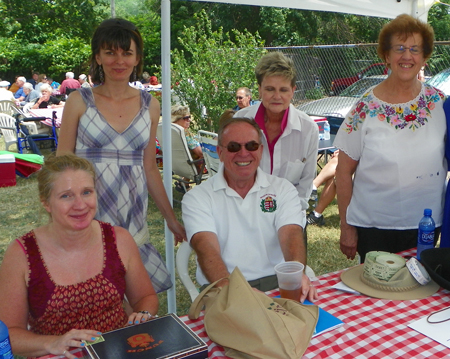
(325, 70)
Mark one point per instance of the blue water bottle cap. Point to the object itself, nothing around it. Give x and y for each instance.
(427, 212)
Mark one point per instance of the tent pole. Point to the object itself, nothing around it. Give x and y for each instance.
(167, 140)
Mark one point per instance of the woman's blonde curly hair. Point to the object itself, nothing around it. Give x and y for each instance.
(179, 111)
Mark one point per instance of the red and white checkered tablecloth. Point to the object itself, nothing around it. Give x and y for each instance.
(374, 328)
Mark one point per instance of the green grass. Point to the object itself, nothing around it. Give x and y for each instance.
(20, 211)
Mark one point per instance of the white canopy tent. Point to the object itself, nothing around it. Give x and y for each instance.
(377, 8)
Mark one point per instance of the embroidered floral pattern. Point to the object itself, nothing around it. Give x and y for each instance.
(411, 115)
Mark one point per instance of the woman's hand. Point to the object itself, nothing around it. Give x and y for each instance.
(72, 339)
(345, 169)
(348, 240)
(335, 154)
(140, 317)
(178, 231)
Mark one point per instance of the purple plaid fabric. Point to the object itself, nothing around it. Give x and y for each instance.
(121, 183)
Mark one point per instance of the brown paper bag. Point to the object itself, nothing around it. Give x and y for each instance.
(250, 324)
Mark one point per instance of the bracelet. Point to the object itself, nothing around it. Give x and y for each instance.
(148, 313)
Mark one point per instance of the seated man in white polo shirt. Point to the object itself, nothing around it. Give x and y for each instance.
(244, 217)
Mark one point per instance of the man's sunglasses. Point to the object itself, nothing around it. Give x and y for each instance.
(187, 117)
(239, 97)
(236, 147)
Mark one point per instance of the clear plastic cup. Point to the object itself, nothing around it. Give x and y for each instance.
(289, 276)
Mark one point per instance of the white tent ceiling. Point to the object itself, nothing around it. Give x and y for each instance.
(379, 8)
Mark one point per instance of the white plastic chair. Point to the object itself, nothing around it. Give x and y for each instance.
(208, 142)
(27, 107)
(14, 135)
(8, 129)
(34, 127)
(6, 107)
(182, 263)
(9, 108)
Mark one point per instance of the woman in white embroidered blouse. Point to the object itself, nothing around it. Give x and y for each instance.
(392, 142)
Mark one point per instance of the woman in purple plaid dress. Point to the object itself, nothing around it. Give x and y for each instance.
(114, 126)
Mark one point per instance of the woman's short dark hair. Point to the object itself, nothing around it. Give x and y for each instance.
(116, 33)
(404, 26)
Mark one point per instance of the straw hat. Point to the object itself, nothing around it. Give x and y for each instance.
(437, 263)
(385, 275)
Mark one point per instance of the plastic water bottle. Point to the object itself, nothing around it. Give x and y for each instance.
(425, 238)
(5, 344)
(326, 131)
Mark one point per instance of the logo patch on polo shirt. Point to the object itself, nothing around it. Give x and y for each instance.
(268, 204)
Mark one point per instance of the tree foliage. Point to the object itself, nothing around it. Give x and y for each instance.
(54, 58)
(52, 36)
(438, 18)
(36, 21)
(211, 66)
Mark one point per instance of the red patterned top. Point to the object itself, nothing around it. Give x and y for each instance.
(96, 303)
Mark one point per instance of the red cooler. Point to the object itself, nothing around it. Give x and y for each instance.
(7, 170)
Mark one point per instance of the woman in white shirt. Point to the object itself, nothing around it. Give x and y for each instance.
(290, 137)
(392, 141)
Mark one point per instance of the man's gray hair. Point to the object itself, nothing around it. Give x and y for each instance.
(246, 90)
(21, 78)
(70, 75)
(232, 120)
(28, 86)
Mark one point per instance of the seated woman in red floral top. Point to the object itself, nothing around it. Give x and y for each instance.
(65, 282)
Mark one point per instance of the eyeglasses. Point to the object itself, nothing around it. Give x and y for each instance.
(413, 50)
(45, 78)
(186, 118)
(239, 97)
(236, 147)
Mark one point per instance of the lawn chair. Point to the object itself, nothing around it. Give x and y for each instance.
(34, 125)
(208, 142)
(184, 169)
(182, 264)
(14, 134)
(9, 108)
(6, 106)
(8, 130)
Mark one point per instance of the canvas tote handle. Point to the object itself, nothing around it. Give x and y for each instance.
(197, 304)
